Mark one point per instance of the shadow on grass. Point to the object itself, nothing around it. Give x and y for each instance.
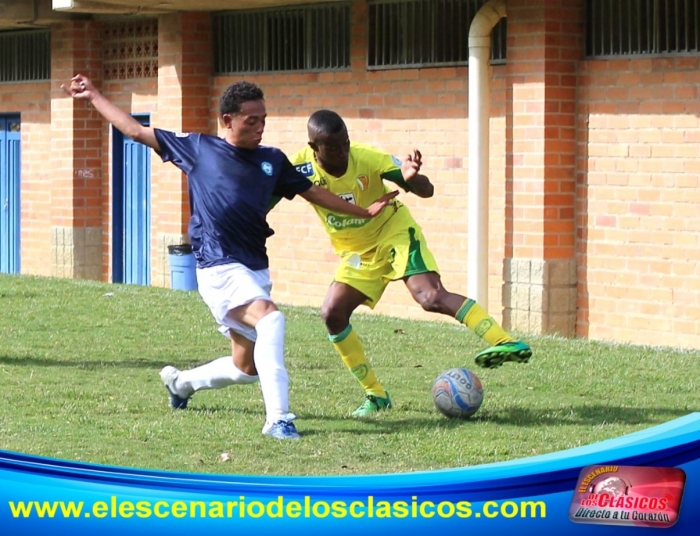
(127, 362)
(584, 415)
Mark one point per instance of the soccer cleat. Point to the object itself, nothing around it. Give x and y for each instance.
(494, 357)
(372, 404)
(282, 429)
(168, 376)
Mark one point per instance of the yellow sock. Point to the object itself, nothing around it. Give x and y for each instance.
(348, 345)
(475, 318)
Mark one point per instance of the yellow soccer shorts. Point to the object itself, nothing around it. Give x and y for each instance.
(401, 251)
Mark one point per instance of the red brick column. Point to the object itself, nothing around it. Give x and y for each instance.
(544, 49)
(184, 82)
(75, 156)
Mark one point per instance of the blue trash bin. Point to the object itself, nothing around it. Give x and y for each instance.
(183, 267)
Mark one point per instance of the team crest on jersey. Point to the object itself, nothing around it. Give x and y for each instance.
(396, 160)
(306, 169)
(362, 182)
(349, 197)
(267, 168)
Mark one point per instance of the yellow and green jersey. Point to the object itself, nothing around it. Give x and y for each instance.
(362, 184)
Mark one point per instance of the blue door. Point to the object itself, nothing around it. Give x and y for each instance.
(9, 193)
(131, 194)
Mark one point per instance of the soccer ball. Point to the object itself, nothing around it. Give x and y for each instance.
(457, 393)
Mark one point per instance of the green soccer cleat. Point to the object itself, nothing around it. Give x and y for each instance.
(494, 357)
(371, 405)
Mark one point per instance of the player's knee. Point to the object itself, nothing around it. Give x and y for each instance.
(333, 316)
(328, 313)
(429, 299)
(273, 322)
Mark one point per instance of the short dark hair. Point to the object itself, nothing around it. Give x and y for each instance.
(325, 122)
(236, 94)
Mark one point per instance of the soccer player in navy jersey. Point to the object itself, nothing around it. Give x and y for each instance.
(232, 182)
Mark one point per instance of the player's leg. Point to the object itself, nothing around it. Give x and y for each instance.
(239, 300)
(423, 281)
(338, 306)
(242, 350)
(268, 356)
(216, 374)
(428, 291)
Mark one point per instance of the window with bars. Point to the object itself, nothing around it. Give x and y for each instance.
(306, 38)
(422, 33)
(25, 56)
(642, 27)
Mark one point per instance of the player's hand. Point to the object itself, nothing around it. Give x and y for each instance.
(410, 166)
(375, 209)
(80, 88)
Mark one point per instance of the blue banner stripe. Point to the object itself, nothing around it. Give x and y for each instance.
(548, 481)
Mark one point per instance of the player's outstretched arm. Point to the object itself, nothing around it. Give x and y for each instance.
(420, 184)
(82, 88)
(323, 198)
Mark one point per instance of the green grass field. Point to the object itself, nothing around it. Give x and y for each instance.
(79, 366)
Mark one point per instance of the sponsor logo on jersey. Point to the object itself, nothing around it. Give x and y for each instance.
(267, 168)
(349, 197)
(334, 221)
(396, 160)
(306, 169)
(182, 134)
(362, 182)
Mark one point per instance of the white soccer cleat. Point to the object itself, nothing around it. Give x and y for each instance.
(168, 376)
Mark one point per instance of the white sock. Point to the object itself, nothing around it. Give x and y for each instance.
(213, 375)
(269, 360)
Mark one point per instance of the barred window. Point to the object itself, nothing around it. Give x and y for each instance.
(642, 27)
(306, 38)
(25, 56)
(420, 33)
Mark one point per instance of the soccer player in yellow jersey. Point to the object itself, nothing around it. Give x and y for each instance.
(374, 252)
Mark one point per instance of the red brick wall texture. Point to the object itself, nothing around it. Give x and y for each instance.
(594, 161)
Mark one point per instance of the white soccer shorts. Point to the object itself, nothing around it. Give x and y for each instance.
(228, 286)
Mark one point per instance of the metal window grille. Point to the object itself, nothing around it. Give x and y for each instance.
(420, 33)
(304, 38)
(130, 49)
(642, 27)
(25, 56)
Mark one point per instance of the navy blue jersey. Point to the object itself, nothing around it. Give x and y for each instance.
(230, 191)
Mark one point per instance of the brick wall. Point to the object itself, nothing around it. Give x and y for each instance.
(76, 159)
(544, 47)
(593, 179)
(638, 224)
(395, 110)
